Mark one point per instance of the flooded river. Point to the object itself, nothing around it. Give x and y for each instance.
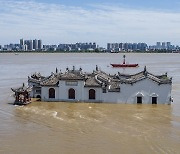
(43, 127)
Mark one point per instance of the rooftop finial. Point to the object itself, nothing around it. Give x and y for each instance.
(145, 69)
(97, 69)
(67, 69)
(56, 70)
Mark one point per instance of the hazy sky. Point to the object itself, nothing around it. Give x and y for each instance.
(101, 21)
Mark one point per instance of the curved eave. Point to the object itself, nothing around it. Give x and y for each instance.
(137, 80)
(33, 80)
(20, 91)
(49, 85)
(72, 79)
(95, 86)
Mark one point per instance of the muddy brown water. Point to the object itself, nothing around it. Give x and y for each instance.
(59, 127)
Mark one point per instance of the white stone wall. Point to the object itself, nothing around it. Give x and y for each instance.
(33, 92)
(128, 93)
(146, 88)
(45, 94)
(110, 97)
(98, 95)
(63, 91)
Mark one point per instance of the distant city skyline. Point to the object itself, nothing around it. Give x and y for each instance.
(156, 43)
(37, 45)
(101, 21)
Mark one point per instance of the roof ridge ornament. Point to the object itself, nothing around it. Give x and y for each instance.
(97, 69)
(145, 71)
(67, 69)
(56, 70)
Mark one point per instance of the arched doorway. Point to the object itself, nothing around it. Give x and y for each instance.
(71, 93)
(38, 96)
(154, 100)
(92, 94)
(139, 98)
(51, 93)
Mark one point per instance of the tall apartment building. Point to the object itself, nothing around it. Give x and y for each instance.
(158, 45)
(30, 47)
(21, 43)
(126, 46)
(35, 44)
(163, 46)
(169, 46)
(40, 44)
(30, 44)
(77, 46)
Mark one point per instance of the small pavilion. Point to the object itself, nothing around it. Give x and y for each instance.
(22, 95)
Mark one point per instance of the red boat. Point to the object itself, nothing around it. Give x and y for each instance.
(124, 64)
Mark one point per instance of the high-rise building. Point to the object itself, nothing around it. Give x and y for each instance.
(94, 46)
(25, 47)
(163, 45)
(21, 43)
(35, 44)
(30, 45)
(169, 45)
(158, 45)
(125, 46)
(39, 44)
(121, 46)
(134, 47)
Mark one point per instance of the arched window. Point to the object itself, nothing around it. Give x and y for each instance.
(92, 94)
(154, 98)
(71, 93)
(51, 93)
(139, 98)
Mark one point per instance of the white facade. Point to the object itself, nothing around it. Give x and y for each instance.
(128, 93)
(145, 90)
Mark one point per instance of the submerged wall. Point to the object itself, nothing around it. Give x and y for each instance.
(128, 93)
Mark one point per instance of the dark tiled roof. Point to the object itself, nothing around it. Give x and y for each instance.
(98, 78)
(91, 82)
(23, 88)
(163, 79)
(34, 80)
(37, 76)
(73, 75)
(52, 80)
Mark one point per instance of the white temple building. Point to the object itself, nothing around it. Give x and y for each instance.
(100, 87)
